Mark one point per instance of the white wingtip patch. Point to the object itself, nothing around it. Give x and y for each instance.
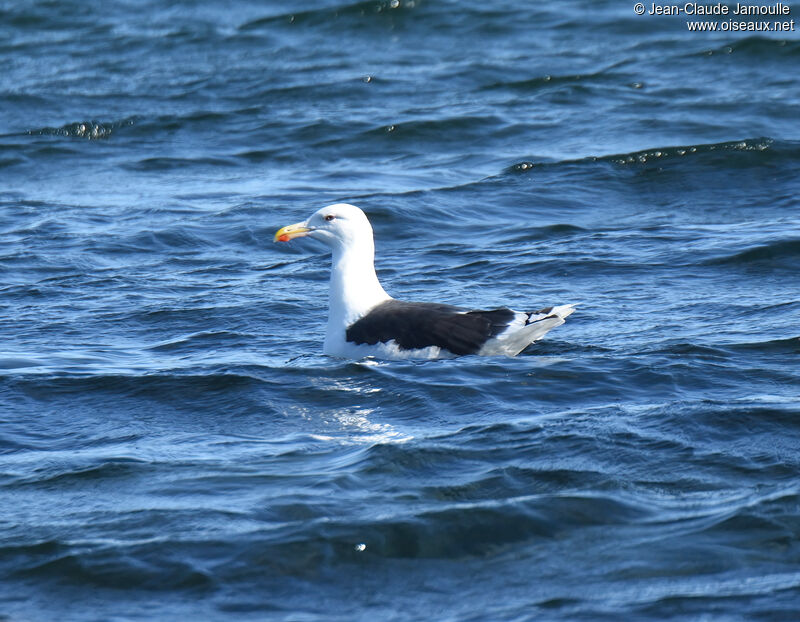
(564, 311)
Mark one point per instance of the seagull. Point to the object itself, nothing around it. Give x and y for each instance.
(365, 321)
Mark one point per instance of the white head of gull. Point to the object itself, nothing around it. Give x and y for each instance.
(363, 320)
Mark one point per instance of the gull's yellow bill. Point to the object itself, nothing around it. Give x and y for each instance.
(290, 232)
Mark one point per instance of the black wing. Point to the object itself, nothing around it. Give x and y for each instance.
(415, 325)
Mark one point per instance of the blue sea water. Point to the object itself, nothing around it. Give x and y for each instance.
(173, 442)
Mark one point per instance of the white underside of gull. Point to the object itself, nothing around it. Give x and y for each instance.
(386, 351)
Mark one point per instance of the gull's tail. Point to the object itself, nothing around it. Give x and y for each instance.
(525, 329)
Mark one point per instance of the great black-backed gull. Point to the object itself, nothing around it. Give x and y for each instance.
(363, 320)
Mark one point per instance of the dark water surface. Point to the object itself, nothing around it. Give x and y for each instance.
(173, 443)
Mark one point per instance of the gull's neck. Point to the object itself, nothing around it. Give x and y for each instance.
(355, 288)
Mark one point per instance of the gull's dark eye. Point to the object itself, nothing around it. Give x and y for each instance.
(329, 217)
